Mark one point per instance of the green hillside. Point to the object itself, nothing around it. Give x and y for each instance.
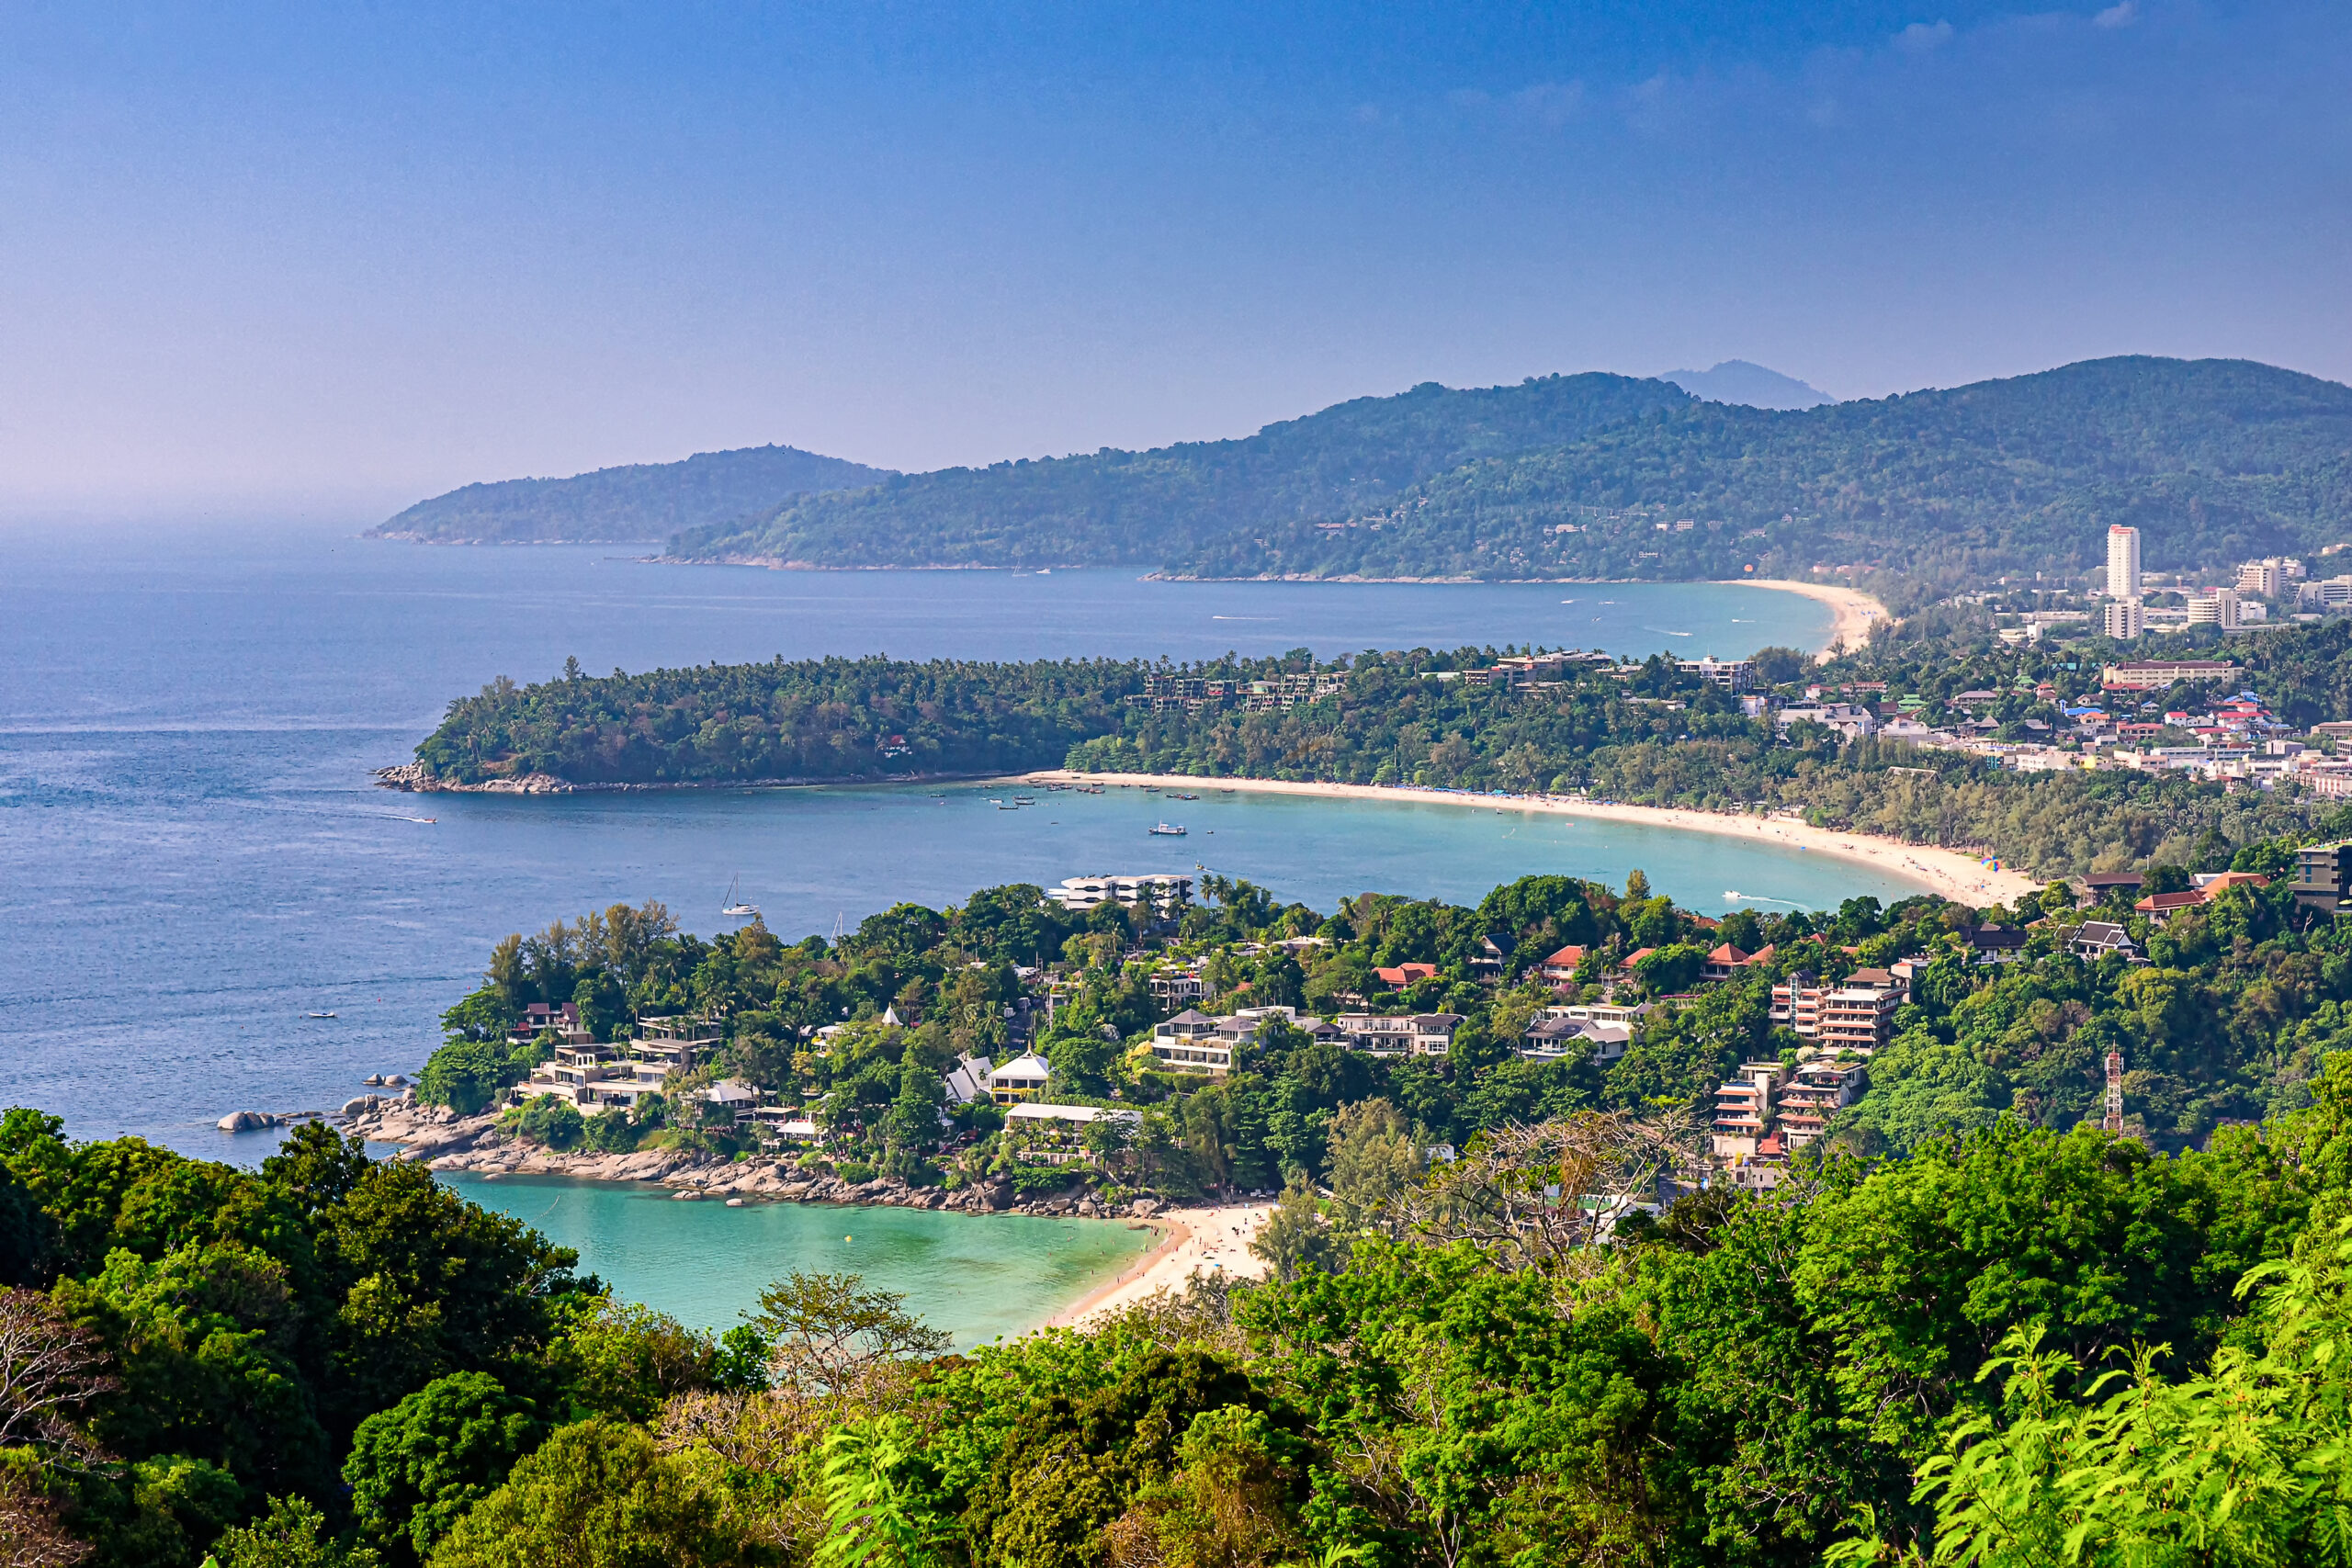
(1172, 502)
(2213, 460)
(1589, 476)
(638, 502)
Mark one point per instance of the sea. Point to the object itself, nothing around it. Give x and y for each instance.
(206, 905)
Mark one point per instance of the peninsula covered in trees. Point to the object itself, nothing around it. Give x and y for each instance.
(1657, 733)
(1603, 477)
(1968, 1325)
(635, 503)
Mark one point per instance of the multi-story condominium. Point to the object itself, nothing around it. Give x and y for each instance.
(1856, 1015)
(1745, 1107)
(2216, 607)
(2122, 562)
(1817, 1091)
(2125, 620)
(1857, 1018)
(2323, 876)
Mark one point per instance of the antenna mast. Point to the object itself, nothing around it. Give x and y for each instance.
(2114, 1123)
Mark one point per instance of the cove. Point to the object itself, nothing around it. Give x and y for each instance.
(977, 1277)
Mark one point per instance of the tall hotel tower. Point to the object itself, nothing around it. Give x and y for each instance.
(2122, 562)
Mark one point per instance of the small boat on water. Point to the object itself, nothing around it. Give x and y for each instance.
(1024, 800)
(321, 1015)
(1184, 797)
(1167, 830)
(735, 911)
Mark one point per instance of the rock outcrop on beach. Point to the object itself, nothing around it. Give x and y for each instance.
(476, 1143)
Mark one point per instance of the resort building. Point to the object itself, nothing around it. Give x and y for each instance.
(1178, 987)
(1554, 1037)
(1399, 1035)
(1817, 1091)
(1166, 892)
(1020, 1079)
(1053, 1134)
(2158, 674)
(2095, 939)
(1856, 1015)
(1190, 1042)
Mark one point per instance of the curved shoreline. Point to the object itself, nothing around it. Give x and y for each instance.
(1951, 873)
(1853, 613)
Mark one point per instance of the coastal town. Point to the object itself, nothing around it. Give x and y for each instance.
(1077, 1105)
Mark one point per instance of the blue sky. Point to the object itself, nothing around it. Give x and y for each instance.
(346, 256)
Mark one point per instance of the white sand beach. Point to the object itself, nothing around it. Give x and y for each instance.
(1957, 876)
(1209, 1241)
(1854, 612)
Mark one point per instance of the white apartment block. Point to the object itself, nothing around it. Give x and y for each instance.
(2126, 620)
(2216, 607)
(2122, 562)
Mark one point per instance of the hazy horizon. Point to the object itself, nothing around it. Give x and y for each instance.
(292, 260)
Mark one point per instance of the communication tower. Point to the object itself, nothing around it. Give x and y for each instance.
(2114, 1123)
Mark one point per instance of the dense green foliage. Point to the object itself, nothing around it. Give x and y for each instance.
(637, 501)
(1969, 1327)
(1115, 507)
(821, 720)
(1650, 735)
(2213, 460)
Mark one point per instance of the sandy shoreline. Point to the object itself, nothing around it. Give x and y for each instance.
(1955, 875)
(1205, 1240)
(1853, 612)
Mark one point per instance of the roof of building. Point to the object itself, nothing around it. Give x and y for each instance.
(1566, 958)
(1027, 1065)
(1727, 954)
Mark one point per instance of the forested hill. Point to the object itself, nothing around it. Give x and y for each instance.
(2213, 460)
(640, 502)
(1592, 476)
(1172, 502)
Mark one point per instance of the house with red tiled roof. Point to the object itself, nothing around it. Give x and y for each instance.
(1404, 975)
(1722, 962)
(1562, 965)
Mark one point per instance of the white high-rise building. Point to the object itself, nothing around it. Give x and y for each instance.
(2122, 562)
(2214, 607)
(2125, 619)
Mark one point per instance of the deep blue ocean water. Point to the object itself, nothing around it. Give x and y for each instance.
(195, 858)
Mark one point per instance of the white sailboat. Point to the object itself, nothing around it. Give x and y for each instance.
(734, 911)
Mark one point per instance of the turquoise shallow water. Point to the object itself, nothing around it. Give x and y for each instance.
(195, 860)
(977, 1277)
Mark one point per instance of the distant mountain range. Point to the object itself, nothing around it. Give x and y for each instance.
(1598, 476)
(640, 502)
(1738, 381)
(1586, 476)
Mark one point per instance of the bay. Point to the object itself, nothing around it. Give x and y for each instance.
(196, 860)
(974, 1277)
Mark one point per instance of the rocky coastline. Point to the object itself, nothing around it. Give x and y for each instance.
(444, 1141)
(412, 778)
